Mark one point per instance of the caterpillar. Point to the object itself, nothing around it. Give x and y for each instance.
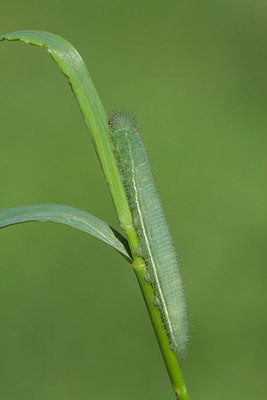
(154, 240)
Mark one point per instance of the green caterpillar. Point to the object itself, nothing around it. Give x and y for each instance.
(154, 240)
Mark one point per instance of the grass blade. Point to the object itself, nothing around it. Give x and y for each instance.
(70, 216)
(74, 68)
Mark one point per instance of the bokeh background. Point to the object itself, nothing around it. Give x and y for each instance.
(73, 322)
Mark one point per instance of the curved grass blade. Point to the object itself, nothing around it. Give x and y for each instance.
(70, 216)
(74, 68)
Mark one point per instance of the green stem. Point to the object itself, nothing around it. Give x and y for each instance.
(169, 356)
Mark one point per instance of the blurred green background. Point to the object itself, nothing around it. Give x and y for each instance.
(73, 322)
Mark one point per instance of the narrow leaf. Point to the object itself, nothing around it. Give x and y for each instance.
(74, 68)
(70, 216)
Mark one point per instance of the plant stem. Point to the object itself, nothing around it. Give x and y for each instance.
(169, 356)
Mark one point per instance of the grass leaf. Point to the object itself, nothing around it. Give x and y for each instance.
(73, 67)
(70, 216)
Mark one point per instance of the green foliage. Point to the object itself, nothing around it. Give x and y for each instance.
(69, 216)
(195, 74)
(74, 68)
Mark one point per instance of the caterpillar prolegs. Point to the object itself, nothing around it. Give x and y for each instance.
(154, 240)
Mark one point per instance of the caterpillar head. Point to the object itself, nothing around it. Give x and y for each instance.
(123, 120)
